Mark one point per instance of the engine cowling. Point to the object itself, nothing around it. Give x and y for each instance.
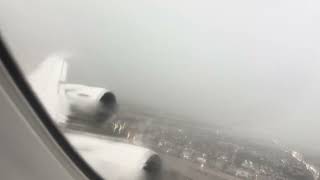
(88, 103)
(117, 160)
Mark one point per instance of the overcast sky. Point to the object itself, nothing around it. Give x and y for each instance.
(249, 65)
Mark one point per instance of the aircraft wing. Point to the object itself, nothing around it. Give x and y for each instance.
(115, 160)
(46, 80)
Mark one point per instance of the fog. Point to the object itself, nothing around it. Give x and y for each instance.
(246, 65)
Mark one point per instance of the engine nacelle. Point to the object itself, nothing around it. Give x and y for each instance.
(117, 160)
(88, 103)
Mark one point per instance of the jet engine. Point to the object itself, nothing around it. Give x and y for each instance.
(116, 160)
(88, 103)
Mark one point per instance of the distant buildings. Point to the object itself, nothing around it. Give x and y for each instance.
(242, 173)
(212, 149)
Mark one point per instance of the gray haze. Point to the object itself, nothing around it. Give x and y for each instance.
(249, 65)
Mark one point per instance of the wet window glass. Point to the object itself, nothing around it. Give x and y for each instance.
(190, 90)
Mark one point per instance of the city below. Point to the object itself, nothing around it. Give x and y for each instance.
(192, 151)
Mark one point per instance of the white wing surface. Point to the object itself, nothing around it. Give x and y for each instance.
(46, 80)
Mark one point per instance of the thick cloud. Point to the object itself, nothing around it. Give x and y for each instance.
(247, 65)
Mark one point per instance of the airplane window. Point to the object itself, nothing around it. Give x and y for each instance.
(177, 90)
